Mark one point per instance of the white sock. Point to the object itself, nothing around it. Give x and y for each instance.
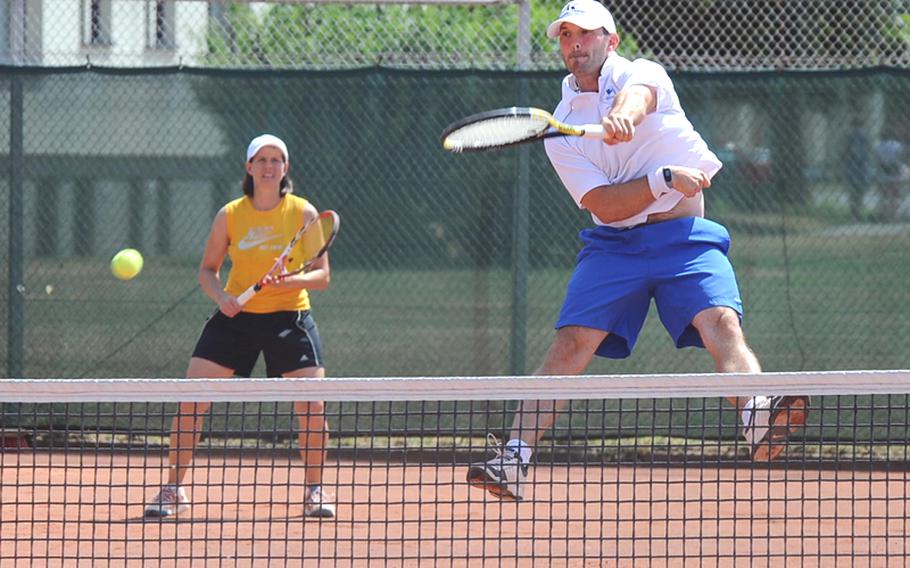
(521, 448)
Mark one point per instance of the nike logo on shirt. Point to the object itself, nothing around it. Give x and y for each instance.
(255, 237)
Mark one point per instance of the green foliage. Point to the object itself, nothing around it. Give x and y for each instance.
(901, 29)
(332, 36)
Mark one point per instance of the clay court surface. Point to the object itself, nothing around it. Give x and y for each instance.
(73, 508)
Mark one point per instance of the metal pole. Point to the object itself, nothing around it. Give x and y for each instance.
(16, 276)
(17, 28)
(524, 35)
(520, 211)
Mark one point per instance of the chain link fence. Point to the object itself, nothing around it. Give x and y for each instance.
(431, 273)
(438, 34)
(446, 264)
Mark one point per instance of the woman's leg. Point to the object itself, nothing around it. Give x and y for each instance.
(186, 427)
(314, 431)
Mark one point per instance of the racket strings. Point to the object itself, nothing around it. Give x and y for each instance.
(496, 131)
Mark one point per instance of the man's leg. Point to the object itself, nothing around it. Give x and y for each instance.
(890, 191)
(857, 193)
(722, 334)
(767, 421)
(571, 352)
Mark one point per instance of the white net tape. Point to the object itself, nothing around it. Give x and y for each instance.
(456, 388)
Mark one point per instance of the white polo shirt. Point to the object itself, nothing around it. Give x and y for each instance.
(664, 138)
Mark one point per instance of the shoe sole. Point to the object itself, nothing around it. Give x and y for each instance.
(159, 514)
(480, 478)
(787, 418)
(320, 514)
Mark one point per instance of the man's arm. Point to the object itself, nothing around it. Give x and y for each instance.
(632, 105)
(611, 203)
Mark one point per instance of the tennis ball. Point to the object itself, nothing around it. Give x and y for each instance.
(126, 264)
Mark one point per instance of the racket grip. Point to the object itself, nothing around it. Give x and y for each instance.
(247, 294)
(593, 131)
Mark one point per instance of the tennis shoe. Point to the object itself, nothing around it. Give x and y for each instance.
(318, 503)
(169, 501)
(503, 476)
(769, 421)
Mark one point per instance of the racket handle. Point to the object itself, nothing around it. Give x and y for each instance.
(593, 131)
(242, 299)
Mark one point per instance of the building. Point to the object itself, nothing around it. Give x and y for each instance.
(122, 33)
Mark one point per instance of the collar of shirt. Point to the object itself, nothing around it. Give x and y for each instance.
(612, 69)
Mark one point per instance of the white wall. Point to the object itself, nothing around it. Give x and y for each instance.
(130, 21)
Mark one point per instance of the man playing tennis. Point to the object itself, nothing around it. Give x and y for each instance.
(643, 187)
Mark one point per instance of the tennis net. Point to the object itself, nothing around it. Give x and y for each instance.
(638, 470)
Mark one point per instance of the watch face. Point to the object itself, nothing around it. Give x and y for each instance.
(668, 175)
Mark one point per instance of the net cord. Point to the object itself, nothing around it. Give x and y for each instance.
(355, 389)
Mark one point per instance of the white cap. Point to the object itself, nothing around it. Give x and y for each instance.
(259, 142)
(586, 14)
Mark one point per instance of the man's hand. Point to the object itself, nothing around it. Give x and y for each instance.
(618, 128)
(631, 106)
(689, 181)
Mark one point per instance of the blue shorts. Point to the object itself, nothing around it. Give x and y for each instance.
(681, 263)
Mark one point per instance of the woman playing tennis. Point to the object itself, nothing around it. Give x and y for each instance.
(253, 230)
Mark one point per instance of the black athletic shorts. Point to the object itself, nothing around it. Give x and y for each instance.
(288, 341)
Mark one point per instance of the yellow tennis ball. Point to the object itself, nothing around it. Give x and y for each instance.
(126, 264)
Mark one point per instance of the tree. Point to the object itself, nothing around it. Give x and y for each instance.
(329, 36)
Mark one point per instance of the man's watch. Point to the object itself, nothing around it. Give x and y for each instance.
(668, 177)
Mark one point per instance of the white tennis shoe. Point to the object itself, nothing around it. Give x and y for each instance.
(769, 420)
(503, 476)
(169, 501)
(317, 503)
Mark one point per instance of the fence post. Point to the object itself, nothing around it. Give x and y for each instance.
(521, 204)
(15, 345)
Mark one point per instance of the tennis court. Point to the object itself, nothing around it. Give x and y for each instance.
(663, 481)
(91, 509)
(123, 124)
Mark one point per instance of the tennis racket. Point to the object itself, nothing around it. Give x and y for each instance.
(509, 126)
(314, 239)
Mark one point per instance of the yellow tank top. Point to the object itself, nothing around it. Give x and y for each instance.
(256, 239)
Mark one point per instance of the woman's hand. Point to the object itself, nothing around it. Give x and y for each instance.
(229, 305)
